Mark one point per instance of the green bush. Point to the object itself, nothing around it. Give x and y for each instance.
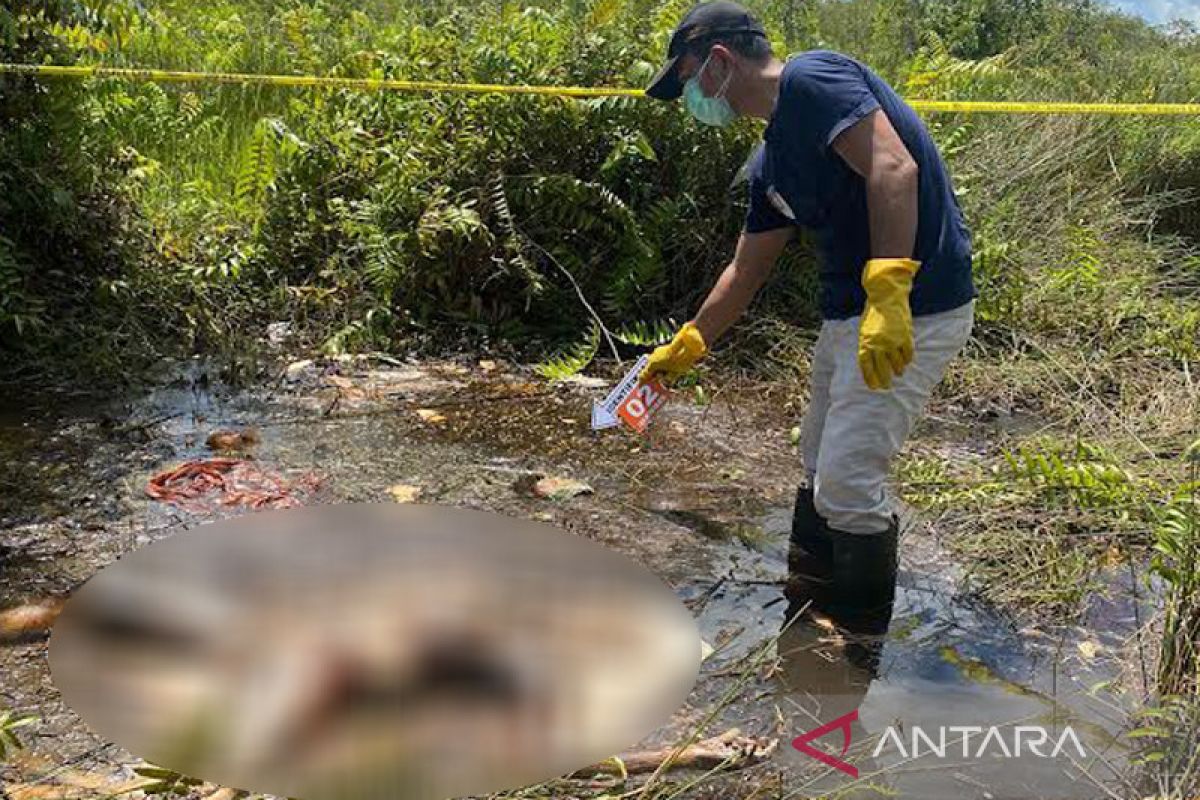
(58, 223)
(367, 216)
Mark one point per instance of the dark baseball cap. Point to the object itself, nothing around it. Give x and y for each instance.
(703, 24)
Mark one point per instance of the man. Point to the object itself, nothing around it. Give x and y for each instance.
(845, 157)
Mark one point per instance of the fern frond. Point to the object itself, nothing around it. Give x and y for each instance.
(1088, 476)
(10, 721)
(573, 360)
(257, 169)
(514, 242)
(645, 334)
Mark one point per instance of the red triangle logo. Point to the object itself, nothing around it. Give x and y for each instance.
(801, 743)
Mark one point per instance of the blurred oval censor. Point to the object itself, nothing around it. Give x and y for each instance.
(374, 651)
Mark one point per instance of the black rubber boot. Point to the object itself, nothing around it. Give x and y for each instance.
(864, 589)
(810, 556)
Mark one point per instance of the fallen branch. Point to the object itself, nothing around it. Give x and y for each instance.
(730, 750)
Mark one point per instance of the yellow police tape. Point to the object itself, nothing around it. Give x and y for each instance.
(375, 84)
(169, 76)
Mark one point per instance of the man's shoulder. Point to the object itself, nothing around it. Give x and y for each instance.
(816, 71)
(810, 60)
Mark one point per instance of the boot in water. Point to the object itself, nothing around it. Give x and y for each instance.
(810, 555)
(864, 590)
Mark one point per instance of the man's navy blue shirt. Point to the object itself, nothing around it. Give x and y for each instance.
(797, 178)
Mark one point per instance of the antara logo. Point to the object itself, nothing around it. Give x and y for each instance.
(995, 742)
(976, 742)
(801, 743)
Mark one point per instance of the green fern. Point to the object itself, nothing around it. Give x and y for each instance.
(573, 360)
(936, 68)
(603, 12)
(1088, 476)
(596, 236)
(514, 242)
(645, 334)
(667, 16)
(257, 169)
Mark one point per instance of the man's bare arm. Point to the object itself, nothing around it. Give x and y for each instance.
(875, 151)
(751, 266)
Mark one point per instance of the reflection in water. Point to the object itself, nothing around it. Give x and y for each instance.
(947, 661)
(848, 580)
(840, 595)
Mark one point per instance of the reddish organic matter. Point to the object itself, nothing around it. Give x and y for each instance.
(239, 482)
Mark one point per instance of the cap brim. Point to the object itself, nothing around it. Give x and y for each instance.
(666, 85)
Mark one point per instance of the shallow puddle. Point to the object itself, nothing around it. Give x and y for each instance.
(708, 512)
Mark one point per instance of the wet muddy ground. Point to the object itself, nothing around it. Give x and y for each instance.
(704, 501)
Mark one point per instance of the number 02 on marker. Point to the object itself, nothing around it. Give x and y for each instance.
(639, 407)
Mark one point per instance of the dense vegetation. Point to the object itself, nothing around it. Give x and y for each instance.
(137, 217)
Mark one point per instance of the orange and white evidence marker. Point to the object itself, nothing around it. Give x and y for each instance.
(633, 401)
(641, 405)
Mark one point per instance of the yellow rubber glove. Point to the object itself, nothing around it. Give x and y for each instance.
(885, 336)
(678, 356)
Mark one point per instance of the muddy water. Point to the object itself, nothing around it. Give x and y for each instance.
(705, 502)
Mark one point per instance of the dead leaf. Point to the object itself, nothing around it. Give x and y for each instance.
(405, 493)
(295, 368)
(487, 366)
(224, 793)
(30, 619)
(1089, 649)
(560, 488)
(349, 391)
(226, 441)
(431, 416)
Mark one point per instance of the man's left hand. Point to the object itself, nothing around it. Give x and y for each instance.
(885, 337)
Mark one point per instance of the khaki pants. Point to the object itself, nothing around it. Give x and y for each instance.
(850, 433)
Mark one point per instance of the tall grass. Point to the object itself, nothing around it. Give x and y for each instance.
(371, 216)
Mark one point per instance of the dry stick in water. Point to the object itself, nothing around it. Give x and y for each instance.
(729, 748)
(724, 702)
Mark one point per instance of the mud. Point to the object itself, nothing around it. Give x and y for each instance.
(704, 501)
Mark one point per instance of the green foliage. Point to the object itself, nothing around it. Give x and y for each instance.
(270, 144)
(1165, 745)
(646, 334)
(1177, 562)
(165, 781)
(1085, 475)
(573, 360)
(10, 721)
(980, 28)
(58, 217)
(193, 215)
